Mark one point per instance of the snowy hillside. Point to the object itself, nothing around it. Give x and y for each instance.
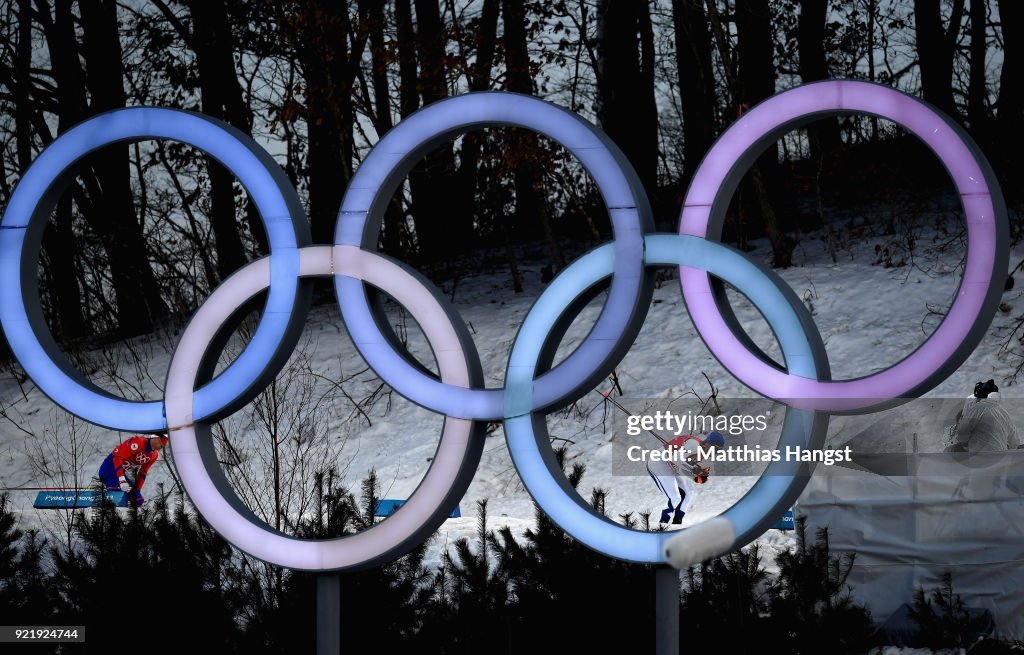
(869, 316)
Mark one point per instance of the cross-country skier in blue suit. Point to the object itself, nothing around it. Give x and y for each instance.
(675, 480)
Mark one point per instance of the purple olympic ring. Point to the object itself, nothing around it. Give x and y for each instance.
(987, 245)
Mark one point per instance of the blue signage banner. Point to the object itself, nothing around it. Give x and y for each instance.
(388, 506)
(785, 523)
(77, 498)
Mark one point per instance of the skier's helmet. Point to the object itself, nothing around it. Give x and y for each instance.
(983, 389)
(715, 439)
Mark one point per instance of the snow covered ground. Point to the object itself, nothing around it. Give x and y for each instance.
(869, 316)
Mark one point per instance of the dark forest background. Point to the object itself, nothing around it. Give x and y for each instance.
(159, 580)
(150, 228)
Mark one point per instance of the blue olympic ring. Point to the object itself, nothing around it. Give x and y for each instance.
(21, 233)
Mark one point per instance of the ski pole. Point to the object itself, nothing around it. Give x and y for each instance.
(607, 395)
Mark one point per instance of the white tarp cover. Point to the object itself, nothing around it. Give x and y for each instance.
(961, 512)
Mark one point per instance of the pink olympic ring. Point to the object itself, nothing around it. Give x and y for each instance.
(975, 301)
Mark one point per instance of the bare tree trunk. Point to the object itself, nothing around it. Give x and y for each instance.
(480, 80)
(324, 33)
(646, 104)
(139, 305)
(531, 210)
(872, 12)
(935, 52)
(408, 77)
(755, 57)
(409, 98)
(376, 22)
(1010, 104)
(23, 87)
(374, 11)
(696, 81)
(58, 243)
(755, 82)
(824, 135)
(430, 45)
(275, 441)
(440, 234)
(977, 114)
(626, 105)
(218, 83)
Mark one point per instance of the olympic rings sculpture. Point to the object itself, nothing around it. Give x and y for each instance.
(195, 397)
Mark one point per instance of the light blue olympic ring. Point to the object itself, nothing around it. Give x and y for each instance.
(526, 429)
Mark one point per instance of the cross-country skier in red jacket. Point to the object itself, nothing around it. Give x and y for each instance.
(125, 468)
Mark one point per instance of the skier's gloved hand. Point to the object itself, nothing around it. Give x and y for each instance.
(702, 475)
(125, 487)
